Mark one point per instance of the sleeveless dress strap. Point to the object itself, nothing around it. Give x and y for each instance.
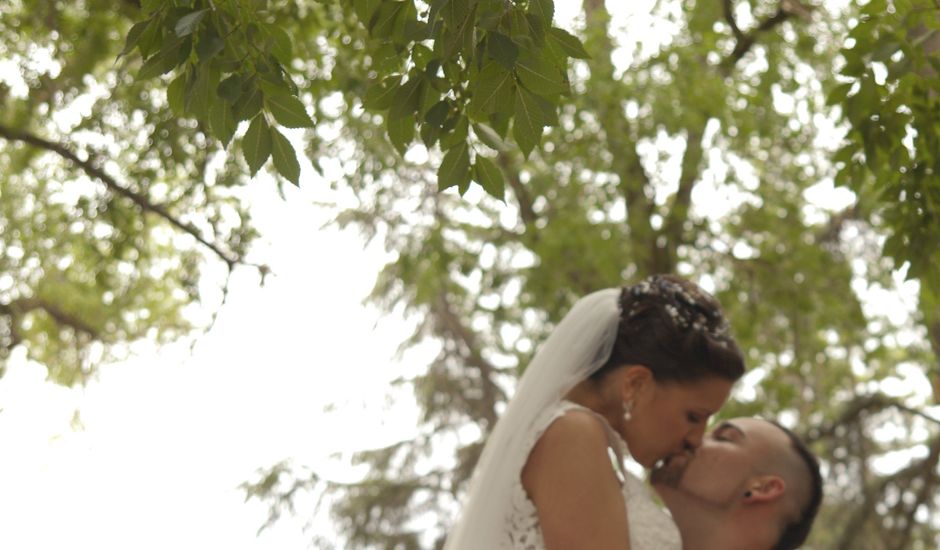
(615, 452)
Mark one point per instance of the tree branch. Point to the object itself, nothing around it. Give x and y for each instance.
(454, 328)
(745, 41)
(17, 308)
(728, 10)
(141, 201)
(837, 221)
(926, 472)
(526, 210)
(902, 478)
(635, 183)
(679, 209)
(866, 404)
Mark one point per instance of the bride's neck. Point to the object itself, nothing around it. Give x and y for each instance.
(593, 395)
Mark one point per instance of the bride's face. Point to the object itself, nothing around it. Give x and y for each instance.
(668, 418)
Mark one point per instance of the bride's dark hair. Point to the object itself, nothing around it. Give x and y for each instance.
(677, 330)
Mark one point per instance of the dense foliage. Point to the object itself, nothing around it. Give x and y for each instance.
(783, 154)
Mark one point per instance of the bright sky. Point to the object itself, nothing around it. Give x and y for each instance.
(168, 435)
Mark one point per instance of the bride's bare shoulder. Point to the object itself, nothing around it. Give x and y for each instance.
(577, 426)
(574, 440)
(570, 480)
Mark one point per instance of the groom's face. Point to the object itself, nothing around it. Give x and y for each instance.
(718, 472)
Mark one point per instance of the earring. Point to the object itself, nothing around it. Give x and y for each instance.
(627, 410)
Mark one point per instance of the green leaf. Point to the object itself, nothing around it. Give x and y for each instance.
(549, 110)
(899, 69)
(455, 168)
(457, 134)
(231, 88)
(202, 93)
(407, 98)
(188, 23)
(429, 98)
(284, 157)
(281, 46)
(365, 10)
(209, 44)
(545, 9)
(489, 137)
(256, 145)
(492, 91)
(133, 37)
(161, 63)
(885, 50)
(421, 55)
(430, 134)
(839, 93)
(150, 38)
(934, 62)
(437, 113)
(415, 30)
(501, 48)
(288, 111)
(150, 6)
(401, 131)
(499, 121)
(527, 25)
(387, 19)
(460, 17)
(222, 122)
(250, 101)
(456, 13)
(567, 43)
(528, 122)
(489, 176)
(272, 84)
(176, 92)
(380, 96)
(434, 9)
(540, 75)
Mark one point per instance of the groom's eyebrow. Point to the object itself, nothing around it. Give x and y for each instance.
(726, 425)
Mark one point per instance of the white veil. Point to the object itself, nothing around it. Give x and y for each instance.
(579, 345)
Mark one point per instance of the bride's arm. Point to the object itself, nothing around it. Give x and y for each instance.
(571, 481)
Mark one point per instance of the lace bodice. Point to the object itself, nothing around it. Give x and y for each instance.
(650, 527)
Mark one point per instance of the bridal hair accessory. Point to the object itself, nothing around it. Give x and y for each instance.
(627, 410)
(685, 310)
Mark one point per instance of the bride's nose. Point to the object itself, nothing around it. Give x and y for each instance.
(694, 439)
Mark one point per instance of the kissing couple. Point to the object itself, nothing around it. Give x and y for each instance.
(636, 372)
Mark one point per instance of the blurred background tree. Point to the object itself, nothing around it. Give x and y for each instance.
(110, 206)
(781, 153)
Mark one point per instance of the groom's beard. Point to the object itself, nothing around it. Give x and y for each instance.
(669, 474)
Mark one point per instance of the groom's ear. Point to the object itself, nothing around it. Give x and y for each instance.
(764, 489)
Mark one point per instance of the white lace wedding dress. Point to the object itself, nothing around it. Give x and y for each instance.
(651, 528)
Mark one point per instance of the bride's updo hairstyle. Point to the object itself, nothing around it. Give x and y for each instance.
(677, 330)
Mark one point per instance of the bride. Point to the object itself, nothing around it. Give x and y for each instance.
(634, 371)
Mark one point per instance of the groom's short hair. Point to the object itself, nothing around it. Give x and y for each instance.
(795, 532)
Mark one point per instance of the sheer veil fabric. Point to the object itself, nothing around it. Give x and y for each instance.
(580, 344)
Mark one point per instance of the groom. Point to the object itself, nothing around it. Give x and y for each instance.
(752, 485)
